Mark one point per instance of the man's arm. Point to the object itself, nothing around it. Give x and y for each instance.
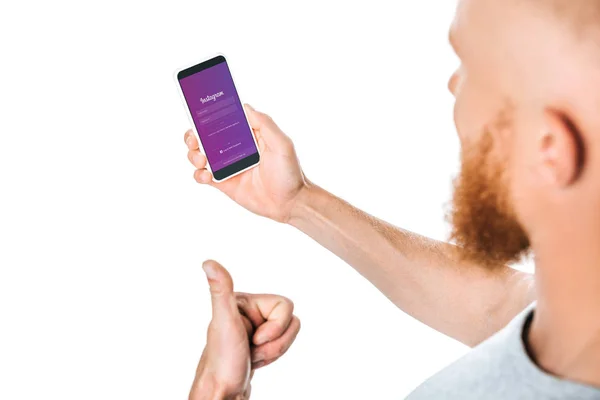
(421, 276)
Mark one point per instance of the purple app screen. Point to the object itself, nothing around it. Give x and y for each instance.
(218, 116)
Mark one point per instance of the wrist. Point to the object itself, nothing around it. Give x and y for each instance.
(303, 204)
(205, 387)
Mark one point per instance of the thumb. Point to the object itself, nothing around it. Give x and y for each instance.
(266, 127)
(221, 290)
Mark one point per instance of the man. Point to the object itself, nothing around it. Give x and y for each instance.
(528, 117)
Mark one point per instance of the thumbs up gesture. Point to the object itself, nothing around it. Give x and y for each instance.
(247, 332)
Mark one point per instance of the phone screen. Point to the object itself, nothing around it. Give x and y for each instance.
(218, 116)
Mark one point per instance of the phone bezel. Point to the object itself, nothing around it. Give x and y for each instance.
(253, 159)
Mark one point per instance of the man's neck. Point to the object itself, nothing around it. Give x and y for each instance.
(564, 338)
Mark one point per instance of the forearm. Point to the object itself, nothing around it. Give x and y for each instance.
(423, 277)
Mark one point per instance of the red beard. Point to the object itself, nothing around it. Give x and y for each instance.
(484, 225)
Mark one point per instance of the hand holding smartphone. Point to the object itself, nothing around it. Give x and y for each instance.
(218, 117)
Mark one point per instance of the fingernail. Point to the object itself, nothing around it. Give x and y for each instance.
(209, 270)
(188, 141)
(250, 107)
(260, 339)
(196, 158)
(205, 177)
(258, 364)
(258, 357)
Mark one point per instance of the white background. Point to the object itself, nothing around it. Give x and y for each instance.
(103, 229)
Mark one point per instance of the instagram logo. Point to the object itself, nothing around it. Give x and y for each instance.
(211, 98)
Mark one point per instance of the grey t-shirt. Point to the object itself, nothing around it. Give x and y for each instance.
(500, 368)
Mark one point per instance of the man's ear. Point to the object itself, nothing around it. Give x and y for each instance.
(560, 149)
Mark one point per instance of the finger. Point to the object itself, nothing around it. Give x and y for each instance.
(197, 159)
(248, 326)
(228, 187)
(203, 176)
(190, 140)
(249, 308)
(259, 140)
(266, 127)
(278, 313)
(272, 350)
(261, 364)
(253, 117)
(262, 146)
(221, 292)
(258, 120)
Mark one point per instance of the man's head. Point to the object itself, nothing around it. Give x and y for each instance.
(528, 117)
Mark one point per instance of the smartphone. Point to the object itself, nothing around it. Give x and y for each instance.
(218, 117)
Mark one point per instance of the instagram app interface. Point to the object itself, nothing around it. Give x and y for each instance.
(218, 116)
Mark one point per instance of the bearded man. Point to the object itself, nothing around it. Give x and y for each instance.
(528, 117)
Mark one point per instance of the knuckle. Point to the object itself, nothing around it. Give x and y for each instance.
(242, 300)
(211, 329)
(288, 303)
(298, 323)
(289, 145)
(266, 118)
(217, 291)
(280, 349)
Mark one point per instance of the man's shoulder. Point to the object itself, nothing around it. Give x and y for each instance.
(500, 368)
(487, 371)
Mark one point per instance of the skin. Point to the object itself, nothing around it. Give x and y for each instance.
(423, 277)
(247, 332)
(546, 68)
(512, 52)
